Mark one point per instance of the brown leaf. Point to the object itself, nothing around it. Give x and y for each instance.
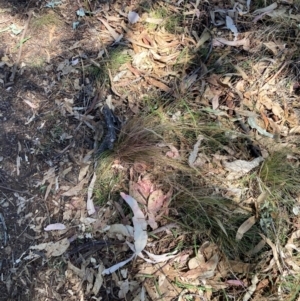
(133, 41)
(135, 192)
(241, 72)
(239, 267)
(221, 41)
(262, 284)
(155, 201)
(277, 110)
(205, 270)
(76, 189)
(245, 227)
(274, 250)
(265, 119)
(197, 261)
(112, 32)
(205, 36)
(53, 249)
(257, 248)
(272, 46)
(158, 84)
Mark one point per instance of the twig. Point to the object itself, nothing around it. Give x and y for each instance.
(13, 190)
(96, 98)
(13, 74)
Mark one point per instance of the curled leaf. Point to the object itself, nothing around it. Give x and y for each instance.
(133, 17)
(139, 224)
(230, 25)
(254, 125)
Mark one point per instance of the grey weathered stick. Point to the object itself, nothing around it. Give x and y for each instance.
(13, 74)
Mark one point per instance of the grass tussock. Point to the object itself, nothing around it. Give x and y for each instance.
(197, 203)
(281, 172)
(46, 20)
(110, 64)
(142, 139)
(280, 176)
(200, 209)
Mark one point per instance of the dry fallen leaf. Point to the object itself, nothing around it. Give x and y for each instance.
(205, 270)
(277, 110)
(196, 261)
(115, 267)
(252, 122)
(155, 203)
(76, 189)
(83, 171)
(251, 289)
(230, 25)
(98, 279)
(133, 17)
(274, 250)
(221, 41)
(193, 155)
(265, 9)
(137, 192)
(246, 226)
(124, 230)
(57, 226)
(158, 84)
(139, 224)
(239, 168)
(53, 249)
(113, 33)
(89, 203)
(205, 36)
(290, 246)
(257, 248)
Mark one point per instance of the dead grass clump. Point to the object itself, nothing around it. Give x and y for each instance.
(281, 172)
(280, 176)
(197, 205)
(211, 217)
(142, 139)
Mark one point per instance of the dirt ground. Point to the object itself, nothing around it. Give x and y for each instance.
(35, 135)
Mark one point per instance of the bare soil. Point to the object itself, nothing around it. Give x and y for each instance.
(31, 135)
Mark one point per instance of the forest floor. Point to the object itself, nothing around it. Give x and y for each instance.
(149, 150)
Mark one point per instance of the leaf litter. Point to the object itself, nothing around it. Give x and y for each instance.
(157, 49)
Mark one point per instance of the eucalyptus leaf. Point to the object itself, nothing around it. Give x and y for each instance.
(254, 125)
(75, 25)
(133, 17)
(215, 112)
(52, 4)
(80, 12)
(14, 29)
